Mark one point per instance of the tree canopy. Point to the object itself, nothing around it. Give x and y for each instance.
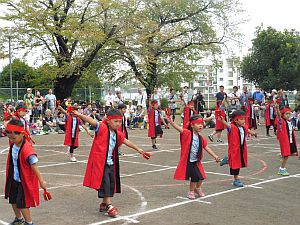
(274, 61)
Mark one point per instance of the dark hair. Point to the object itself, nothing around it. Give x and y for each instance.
(122, 106)
(237, 113)
(21, 105)
(18, 123)
(192, 118)
(221, 86)
(114, 112)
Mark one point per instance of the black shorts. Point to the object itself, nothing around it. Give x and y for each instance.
(234, 172)
(107, 188)
(194, 172)
(293, 148)
(158, 131)
(16, 195)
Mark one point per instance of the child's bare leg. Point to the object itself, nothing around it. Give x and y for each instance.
(26, 214)
(106, 200)
(153, 141)
(213, 133)
(198, 184)
(16, 211)
(192, 186)
(219, 133)
(236, 177)
(284, 161)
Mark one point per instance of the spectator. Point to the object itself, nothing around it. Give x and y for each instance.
(119, 99)
(220, 96)
(31, 95)
(283, 102)
(234, 99)
(199, 102)
(156, 96)
(94, 116)
(139, 116)
(259, 96)
(131, 113)
(109, 100)
(48, 122)
(244, 97)
(210, 118)
(141, 98)
(29, 105)
(88, 110)
(51, 101)
(38, 105)
(172, 103)
(60, 123)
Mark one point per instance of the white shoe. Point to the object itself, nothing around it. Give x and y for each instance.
(73, 159)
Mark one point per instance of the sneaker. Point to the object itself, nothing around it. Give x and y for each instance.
(211, 138)
(111, 211)
(283, 172)
(154, 148)
(191, 195)
(102, 207)
(238, 183)
(17, 222)
(224, 161)
(199, 192)
(73, 159)
(219, 141)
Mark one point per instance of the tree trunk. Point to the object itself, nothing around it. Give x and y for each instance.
(63, 87)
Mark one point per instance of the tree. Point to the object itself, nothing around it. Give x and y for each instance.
(21, 72)
(274, 61)
(169, 37)
(70, 33)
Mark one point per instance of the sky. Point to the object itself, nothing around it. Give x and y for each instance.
(280, 14)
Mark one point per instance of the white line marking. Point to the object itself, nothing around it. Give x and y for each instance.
(151, 171)
(198, 200)
(188, 201)
(59, 164)
(149, 164)
(254, 186)
(4, 150)
(4, 223)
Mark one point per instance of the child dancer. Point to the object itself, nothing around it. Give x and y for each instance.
(102, 171)
(286, 137)
(192, 148)
(72, 130)
(154, 120)
(22, 174)
(269, 116)
(250, 116)
(237, 146)
(220, 111)
(122, 108)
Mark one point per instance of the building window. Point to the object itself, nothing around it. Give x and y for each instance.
(230, 82)
(221, 78)
(221, 70)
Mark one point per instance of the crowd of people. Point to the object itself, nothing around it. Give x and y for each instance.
(238, 114)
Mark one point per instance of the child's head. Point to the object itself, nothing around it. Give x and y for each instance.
(122, 107)
(154, 104)
(15, 131)
(255, 101)
(238, 117)
(21, 110)
(286, 113)
(139, 107)
(196, 123)
(94, 111)
(114, 119)
(48, 113)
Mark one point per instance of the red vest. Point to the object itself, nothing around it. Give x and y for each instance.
(186, 143)
(219, 124)
(188, 112)
(151, 121)
(123, 128)
(68, 135)
(28, 178)
(267, 116)
(98, 156)
(284, 138)
(237, 154)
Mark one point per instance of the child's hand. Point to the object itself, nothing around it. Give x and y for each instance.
(167, 127)
(217, 159)
(91, 135)
(141, 151)
(43, 184)
(254, 134)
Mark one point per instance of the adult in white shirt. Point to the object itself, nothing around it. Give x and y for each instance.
(141, 98)
(51, 101)
(109, 100)
(119, 99)
(156, 96)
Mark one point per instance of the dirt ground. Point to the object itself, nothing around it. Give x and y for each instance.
(150, 195)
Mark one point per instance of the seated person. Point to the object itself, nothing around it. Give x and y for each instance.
(48, 123)
(139, 116)
(60, 122)
(211, 122)
(95, 116)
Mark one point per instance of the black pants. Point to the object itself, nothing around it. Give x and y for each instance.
(107, 188)
(72, 147)
(16, 195)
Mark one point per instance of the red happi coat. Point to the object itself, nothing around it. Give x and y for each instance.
(283, 137)
(188, 112)
(68, 135)
(98, 157)
(151, 122)
(123, 128)
(28, 178)
(249, 122)
(219, 124)
(237, 154)
(268, 115)
(186, 138)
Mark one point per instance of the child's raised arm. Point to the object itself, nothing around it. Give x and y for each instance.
(228, 125)
(180, 129)
(88, 119)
